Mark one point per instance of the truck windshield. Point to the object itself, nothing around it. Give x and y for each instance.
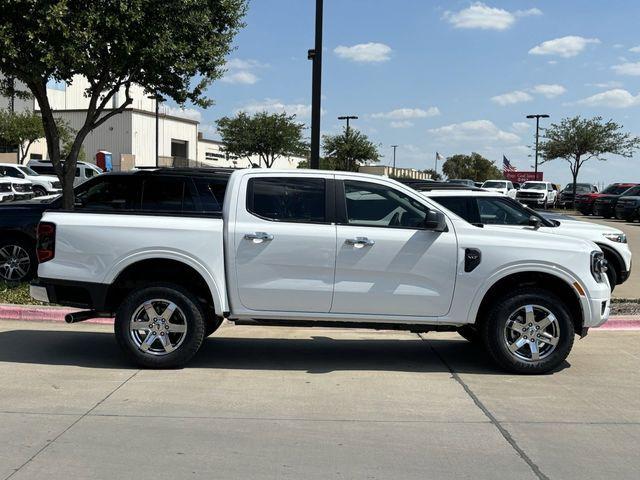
(534, 186)
(494, 184)
(616, 189)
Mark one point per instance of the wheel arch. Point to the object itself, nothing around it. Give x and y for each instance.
(610, 253)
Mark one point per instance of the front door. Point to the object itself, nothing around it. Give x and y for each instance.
(285, 244)
(387, 262)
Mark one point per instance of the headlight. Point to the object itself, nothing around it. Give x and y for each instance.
(598, 266)
(615, 237)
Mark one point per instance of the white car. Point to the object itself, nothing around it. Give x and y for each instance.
(21, 189)
(494, 211)
(537, 194)
(504, 187)
(42, 184)
(84, 170)
(312, 248)
(6, 191)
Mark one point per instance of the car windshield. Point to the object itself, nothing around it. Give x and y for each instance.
(494, 184)
(28, 171)
(616, 189)
(534, 186)
(580, 188)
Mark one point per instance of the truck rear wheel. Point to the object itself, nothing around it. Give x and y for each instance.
(528, 331)
(160, 326)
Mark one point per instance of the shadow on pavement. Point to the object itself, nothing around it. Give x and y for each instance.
(320, 354)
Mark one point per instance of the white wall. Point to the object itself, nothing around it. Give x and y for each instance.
(144, 137)
(205, 146)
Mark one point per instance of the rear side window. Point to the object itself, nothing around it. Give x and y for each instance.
(112, 193)
(42, 170)
(167, 194)
(211, 192)
(301, 200)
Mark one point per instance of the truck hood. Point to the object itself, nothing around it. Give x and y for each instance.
(578, 228)
(494, 189)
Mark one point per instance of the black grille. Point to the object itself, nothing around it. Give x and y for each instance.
(56, 184)
(522, 194)
(5, 187)
(22, 187)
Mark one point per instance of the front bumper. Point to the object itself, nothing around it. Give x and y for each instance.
(6, 197)
(604, 209)
(531, 201)
(23, 196)
(597, 306)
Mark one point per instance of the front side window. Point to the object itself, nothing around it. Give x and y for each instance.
(89, 172)
(300, 200)
(112, 193)
(11, 172)
(499, 211)
(464, 207)
(373, 205)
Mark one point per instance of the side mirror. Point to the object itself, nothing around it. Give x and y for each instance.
(435, 221)
(534, 222)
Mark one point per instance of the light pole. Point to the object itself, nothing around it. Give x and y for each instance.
(157, 98)
(537, 116)
(316, 55)
(347, 118)
(394, 158)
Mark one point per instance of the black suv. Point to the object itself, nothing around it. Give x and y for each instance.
(165, 190)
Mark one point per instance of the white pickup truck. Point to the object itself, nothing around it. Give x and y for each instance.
(312, 248)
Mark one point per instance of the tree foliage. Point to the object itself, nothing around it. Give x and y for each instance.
(172, 49)
(267, 135)
(349, 150)
(578, 140)
(21, 129)
(434, 175)
(474, 167)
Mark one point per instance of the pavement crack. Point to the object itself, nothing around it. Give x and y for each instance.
(496, 423)
(51, 442)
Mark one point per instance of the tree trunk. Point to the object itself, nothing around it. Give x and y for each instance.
(574, 172)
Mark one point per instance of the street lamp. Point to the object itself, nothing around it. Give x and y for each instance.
(347, 118)
(316, 55)
(537, 117)
(394, 158)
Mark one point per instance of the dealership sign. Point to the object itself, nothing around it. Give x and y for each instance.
(522, 177)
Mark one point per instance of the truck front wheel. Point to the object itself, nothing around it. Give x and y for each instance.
(160, 326)
(528, 331)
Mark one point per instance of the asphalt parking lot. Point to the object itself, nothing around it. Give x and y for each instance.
(631, 288)
(312, 403)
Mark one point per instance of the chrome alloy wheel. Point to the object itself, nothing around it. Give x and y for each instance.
(14, 263)
(158, 327)
(531, 333)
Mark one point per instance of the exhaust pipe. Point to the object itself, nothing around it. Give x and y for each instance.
(84, 315)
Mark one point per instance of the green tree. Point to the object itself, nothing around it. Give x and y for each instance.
(578, 140)
(172, 49)
(21, 129)
(474, 167)
(349, 150)
(267, 135)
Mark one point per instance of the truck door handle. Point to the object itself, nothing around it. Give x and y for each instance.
(258, 237)
(360, 242)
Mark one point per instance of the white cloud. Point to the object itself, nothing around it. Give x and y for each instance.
(520, 127)
(482, 16)
(635, 49)
(242, 71)
(365, 52)
(627, 69)
(611, 84)
(401, 124)
(618, 45)
(476, 131)
(405, 113)
(616, 98)
(190, 113)
(272, 105)
(510, 98)
(565, 47)
(549, 90)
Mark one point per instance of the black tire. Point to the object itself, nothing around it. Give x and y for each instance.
(612, 275)
(7, 247)
(39, 191)
(194, 320)
(493, 336)
(469, 333)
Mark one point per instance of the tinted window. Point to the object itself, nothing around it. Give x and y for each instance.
(44, 170)
(288, 199)
(89, 172)
(211, 192)
(498, 211)
(167, 194)
(369, 204)
(112, 193)
(464, 207)
(633, 192)
(615, 189)
(11, 172)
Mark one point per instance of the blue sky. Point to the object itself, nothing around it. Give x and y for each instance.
(448, 76)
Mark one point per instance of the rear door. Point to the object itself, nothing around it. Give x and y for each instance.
(285, 243)
(387, 263)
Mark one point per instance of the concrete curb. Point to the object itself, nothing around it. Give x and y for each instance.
(35, 313)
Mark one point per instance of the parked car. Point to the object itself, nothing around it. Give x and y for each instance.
(144, 190)
(462, 181)
(504, 187)
(309, 248)
(42, 184)
(21, 189)
(492, 210)
(584, 202)
(537, 194)
(6, 191)
(84, 170)
(628, 206)
(565, 197)
(605, 204)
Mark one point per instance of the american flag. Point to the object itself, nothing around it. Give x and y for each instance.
(506, 165)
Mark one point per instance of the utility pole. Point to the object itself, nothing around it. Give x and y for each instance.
(316, 55)
(157, 99)
(347, 118)
(537, 117)
(394, 158)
